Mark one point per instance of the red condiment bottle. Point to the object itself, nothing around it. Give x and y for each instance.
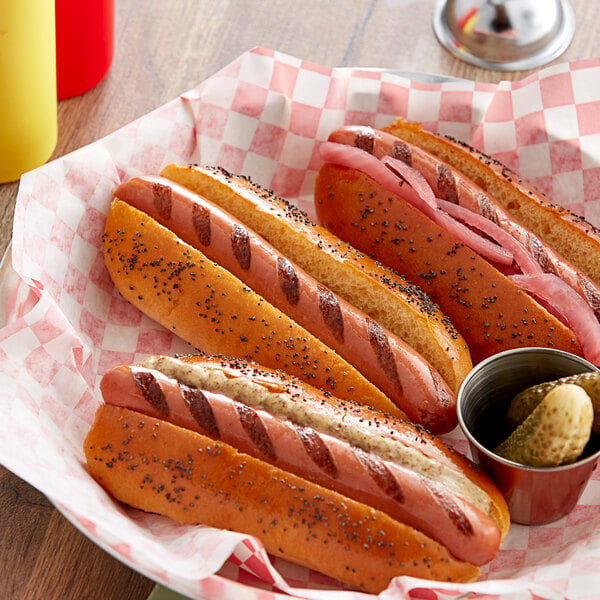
(84, 44)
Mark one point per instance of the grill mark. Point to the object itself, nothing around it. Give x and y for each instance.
(446, 184)
(440, 389)
(331, 312)
(200, 409)
(364, 138)
(402, 151)
(255, 429)
(317, 450)
(288, 280)
(240, 244)
(486, 208)
(540, 255)
(380, 474)
(456, 516)
(591, 294)
(161, 196)
(151, 390)
(201, 222)
(381, 347)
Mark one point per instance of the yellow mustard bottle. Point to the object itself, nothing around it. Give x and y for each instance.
(28, 99)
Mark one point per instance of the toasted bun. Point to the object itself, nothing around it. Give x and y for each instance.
(389, 299)
(214, 311)
(569, 234)
(193, 479)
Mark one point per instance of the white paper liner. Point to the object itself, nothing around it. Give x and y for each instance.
(263, 116)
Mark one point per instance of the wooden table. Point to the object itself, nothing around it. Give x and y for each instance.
(161, 50)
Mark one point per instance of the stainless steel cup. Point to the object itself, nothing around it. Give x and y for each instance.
(534, 495)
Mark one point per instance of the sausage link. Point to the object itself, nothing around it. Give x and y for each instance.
(322, 458)
(155, 466)
(382, 357)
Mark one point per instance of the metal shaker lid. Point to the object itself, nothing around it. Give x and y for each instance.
(504, 35)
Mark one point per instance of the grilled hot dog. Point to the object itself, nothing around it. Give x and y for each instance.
(451, 185)
(430, 513)
(383, 358)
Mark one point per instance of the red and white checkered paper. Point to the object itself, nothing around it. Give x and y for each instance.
(264, 116)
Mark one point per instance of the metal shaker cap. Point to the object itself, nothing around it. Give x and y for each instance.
(504, 35)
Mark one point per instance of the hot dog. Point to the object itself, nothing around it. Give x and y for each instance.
(383, 358)
(253, 450)
(400, 307)
(452, 185)
(493, 295)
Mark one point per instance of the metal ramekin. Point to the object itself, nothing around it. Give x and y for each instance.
(534, 495)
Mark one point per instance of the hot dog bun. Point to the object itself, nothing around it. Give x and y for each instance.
(476, 219)
(264, 428)
(398, 306)
(176, 285)
(388, 362)
(211, 483)
(569, 234)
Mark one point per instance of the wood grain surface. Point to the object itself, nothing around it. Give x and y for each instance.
(161, 50)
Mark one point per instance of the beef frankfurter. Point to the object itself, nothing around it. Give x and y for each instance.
(571, 236)
(492, 286)
(276, 442)
(388, 362)
(387, 298)
(204, 304)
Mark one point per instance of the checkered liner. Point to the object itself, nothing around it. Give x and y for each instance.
(263, 115)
